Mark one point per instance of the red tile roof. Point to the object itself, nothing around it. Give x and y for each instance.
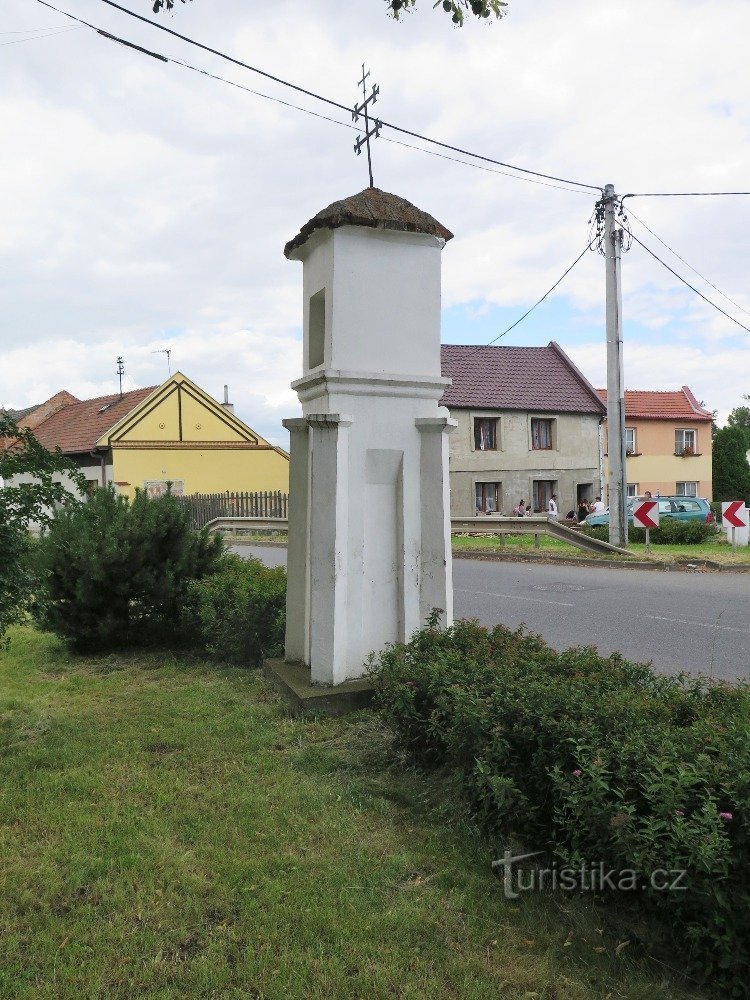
(543, 379)
(647, 405)
(78, 426)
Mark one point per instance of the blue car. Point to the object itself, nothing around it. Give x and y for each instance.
(676, 508)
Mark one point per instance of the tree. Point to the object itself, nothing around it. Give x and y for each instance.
(740, 417)
(731, 472)
(35, 500)
(457, 9)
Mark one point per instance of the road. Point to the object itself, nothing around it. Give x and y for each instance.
(696, 622)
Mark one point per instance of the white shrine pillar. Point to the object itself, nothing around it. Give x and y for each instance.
(369, 515)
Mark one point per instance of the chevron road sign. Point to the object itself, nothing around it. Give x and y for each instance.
(734, 513)
(646, 514)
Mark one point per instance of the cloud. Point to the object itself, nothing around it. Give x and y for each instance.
(147, 206)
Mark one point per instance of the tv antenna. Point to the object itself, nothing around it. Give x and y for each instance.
(120, 372)
(168, 352)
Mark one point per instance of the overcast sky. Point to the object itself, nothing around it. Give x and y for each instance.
(146, 207)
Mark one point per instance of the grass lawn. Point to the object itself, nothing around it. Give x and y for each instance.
(167, 831)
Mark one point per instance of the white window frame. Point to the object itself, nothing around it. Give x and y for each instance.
(633, 449)
(631, 490)
(681, 442)
(684, 491)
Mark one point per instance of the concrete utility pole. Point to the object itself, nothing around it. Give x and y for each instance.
(617, 484)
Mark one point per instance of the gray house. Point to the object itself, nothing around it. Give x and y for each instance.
(529, 425)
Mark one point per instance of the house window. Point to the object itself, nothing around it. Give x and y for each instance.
(541, 434)
(630, 440)
(632, 490)
(542, 490)
(684, 442)
(686, 489)
(488, 497)
(485, 433)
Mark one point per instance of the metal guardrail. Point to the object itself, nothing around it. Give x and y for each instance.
(487, 525)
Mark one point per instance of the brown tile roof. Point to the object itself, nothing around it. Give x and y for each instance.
(78, 426)
(42, 411)
(648, 405)
(516, 378)
(371, 207)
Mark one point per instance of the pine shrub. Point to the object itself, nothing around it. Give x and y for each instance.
(114, 573)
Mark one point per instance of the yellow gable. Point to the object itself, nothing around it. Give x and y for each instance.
(179, 411)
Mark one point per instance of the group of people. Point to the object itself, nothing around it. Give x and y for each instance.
(585, 507)
(522, 509)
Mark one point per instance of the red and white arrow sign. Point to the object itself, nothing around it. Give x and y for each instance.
(734, 513)
(646, 513)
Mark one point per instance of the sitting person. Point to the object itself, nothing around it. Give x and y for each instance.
(583, 510)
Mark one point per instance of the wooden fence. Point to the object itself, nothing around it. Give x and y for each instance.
(204, 507)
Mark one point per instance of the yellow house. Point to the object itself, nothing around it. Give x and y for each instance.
(173, 433)
(668, 444)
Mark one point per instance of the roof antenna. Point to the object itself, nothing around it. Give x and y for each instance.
(168, 352)
(120, 372)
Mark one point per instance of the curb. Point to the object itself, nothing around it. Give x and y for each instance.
(681, 565)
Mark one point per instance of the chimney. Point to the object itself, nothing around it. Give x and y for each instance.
(226, 404)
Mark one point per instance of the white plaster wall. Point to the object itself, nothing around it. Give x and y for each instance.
(382, 299)
(90, 471)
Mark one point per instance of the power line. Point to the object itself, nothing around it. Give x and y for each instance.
(685, 194)
(36, 37)
(355, 128)
(328, 100)
(399, 142)
(695, 270)
(549, 291)
(691, 287)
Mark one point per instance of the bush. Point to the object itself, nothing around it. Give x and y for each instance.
(114, 573)
(669, 532)
(592, 759)
(239, 613)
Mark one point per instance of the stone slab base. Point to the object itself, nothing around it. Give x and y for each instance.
(292, 681)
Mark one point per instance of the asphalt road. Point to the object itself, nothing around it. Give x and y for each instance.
(696, 622)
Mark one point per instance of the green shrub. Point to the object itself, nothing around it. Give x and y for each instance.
(238, 613)
(669, 532)
(592, 759)
(114, 573)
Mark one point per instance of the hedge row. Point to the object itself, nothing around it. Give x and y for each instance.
(592, 759)
(669, 532)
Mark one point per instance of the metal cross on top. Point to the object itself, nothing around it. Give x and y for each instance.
(361, 109)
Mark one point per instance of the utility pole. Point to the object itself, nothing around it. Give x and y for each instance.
(617, 484)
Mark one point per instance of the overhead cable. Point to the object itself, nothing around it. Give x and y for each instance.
(691, 287)
(336, 104)
(528, 312)
(695, 270)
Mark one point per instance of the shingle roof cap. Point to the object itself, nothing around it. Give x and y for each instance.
(656, 405)
(542, 379)
(374, 208)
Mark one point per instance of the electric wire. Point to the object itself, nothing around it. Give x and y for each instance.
(356, 128)
(528, 312)
(326, 100)
(37, 37)
(691, 287)
(695, 270)
(685, 194)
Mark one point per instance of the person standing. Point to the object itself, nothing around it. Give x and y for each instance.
(552, 508)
